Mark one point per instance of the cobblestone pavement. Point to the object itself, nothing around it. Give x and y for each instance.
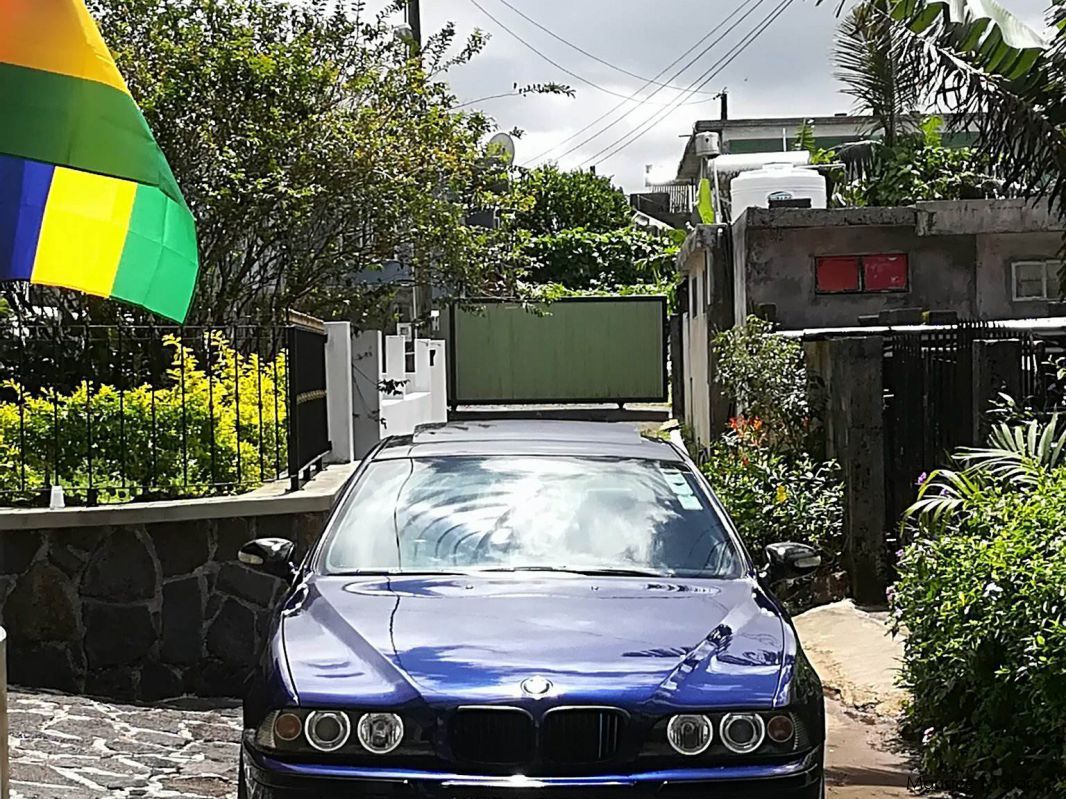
(69, 747)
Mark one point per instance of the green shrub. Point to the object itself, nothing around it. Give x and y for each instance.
(197, 429)
(983, 598)
(773, 497)
(764, 375)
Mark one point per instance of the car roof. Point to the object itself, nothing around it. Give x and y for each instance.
(528, 437)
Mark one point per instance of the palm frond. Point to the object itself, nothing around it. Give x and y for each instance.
(940, 498)
(988, 35)
(1017, 121)
(1019, 453)
(880, 75)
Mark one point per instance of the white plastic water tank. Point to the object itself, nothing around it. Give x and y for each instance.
(757, 188)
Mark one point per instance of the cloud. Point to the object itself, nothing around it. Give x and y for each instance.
(787, 71)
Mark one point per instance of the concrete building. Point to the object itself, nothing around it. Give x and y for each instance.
(816, 269)
(776, 134)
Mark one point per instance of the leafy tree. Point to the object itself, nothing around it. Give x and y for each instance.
(571, 200)
(311, 146)
(583, 259)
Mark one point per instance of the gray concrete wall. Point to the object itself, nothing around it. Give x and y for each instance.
(779, 266)
(995, 254)
(960, 258)
(147, 602)
(706, 262)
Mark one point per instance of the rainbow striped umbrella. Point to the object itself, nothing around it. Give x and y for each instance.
(87, 199)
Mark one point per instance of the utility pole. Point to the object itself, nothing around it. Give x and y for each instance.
(414, 19)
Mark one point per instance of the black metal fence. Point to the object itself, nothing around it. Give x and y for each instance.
(929, 392)
(136, 413)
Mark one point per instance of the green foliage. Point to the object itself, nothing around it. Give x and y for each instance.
(1001, 78)
(916, 170)
(584, 259)
(312, 146)
(763, 374)
(563, 201)
(772, 487)
(202, 427)
(777, 498)
(550, 292)
(984, 604)
(1019, 455)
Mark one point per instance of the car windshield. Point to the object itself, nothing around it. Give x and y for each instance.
(585, 515)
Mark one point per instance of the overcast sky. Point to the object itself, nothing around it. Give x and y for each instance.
(785, 72)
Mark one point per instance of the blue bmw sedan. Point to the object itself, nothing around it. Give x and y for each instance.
(496, 609)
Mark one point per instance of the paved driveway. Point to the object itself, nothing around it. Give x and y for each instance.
(66, 747)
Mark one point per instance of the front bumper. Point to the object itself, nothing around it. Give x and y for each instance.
(266, 778)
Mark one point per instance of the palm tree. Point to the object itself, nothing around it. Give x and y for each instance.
(881, 75)
(998, 75)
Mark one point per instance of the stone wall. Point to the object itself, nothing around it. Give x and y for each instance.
(149, 609)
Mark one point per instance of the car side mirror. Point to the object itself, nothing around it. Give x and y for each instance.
(789, 561)
(273, 556)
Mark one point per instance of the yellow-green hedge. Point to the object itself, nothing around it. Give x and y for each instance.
(157, 440)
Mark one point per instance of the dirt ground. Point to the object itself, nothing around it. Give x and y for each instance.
(864, 761)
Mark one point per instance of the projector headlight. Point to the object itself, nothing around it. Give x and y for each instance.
(328, 730)
(743, 733)
(380, 733)
(690, 735)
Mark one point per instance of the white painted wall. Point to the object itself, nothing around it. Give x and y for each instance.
(421, 399)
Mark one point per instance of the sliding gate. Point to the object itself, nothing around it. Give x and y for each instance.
(575, 351)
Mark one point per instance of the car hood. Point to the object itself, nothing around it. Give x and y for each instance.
(454, 640)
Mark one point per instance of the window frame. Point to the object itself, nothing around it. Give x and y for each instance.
(1046, 263)
(861, 259)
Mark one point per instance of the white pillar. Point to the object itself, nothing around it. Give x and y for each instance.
(367, 354)
(339, 392)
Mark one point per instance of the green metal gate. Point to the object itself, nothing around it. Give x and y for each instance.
(575, 351)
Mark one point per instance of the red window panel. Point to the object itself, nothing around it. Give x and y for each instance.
(837, 274)
(885, 272)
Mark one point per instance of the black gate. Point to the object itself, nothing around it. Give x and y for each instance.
(929, 386)
(308, 422)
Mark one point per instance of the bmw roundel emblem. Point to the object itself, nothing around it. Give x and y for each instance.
(536, 686)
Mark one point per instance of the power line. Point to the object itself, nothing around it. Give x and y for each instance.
(641, 130)
(736, 24)
(593, 56)
(554, 63)
(636, 94)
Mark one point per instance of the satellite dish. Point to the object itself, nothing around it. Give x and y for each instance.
(501, 146)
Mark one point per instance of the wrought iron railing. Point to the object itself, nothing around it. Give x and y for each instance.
(106, 414)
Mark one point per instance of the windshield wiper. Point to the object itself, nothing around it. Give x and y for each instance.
(400, 573)
(591, 572)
